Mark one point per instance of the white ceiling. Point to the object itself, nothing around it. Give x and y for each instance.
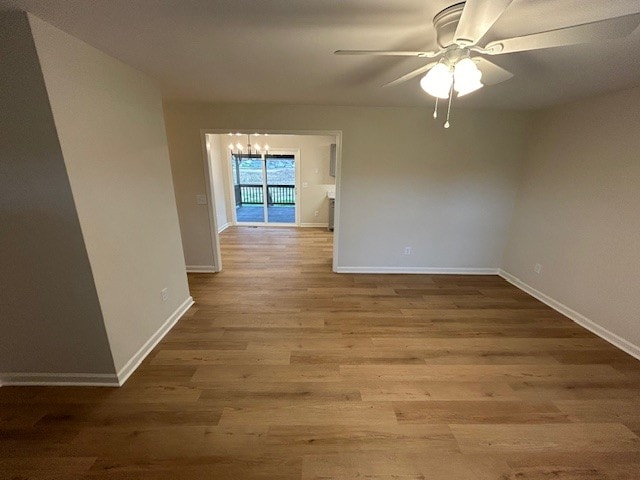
(280, 51)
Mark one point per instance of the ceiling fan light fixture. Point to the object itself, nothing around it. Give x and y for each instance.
(460, 30)
(466, 76)
(437, 82)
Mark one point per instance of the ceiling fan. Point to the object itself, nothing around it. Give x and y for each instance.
(461, 65)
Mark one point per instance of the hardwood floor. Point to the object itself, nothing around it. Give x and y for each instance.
(285, 370)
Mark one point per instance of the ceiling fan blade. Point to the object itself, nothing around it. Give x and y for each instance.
(388, 53)
(478, 16)
(492, 74)
(587, 32)
(411, 75)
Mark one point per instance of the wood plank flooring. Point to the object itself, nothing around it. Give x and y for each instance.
(285, 370)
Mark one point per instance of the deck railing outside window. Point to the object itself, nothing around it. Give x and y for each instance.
(276, 194)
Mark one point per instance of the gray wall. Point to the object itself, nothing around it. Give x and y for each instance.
(50, 318)
(578, 211)
(111, 128)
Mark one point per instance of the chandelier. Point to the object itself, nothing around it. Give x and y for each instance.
(249, 149)
(455, 72)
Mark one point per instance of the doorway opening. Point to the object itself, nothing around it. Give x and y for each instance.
(293, 183)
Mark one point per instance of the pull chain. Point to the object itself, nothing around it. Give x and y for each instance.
(446, 124)
(435, 110)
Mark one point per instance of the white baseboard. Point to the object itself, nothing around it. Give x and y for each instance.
(223, 227)
(612, 338)
(59, 379)
(201, 269)
(135, 361)
(306, 225)
(419, 270)
(97, 379)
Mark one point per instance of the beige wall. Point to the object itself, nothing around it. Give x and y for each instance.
(50, 319)
(578, 211)
(406, 181)
(110, 125)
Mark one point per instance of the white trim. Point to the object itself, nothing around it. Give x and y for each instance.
(59, 379)
(202, 269)
(223, 227)
(211, 203)
(230, 200)
(338, 203)
(419, 270)
(612, 338)
(305, 225)
(135, 361)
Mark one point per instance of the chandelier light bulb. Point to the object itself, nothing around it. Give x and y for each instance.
(257, 145)
(266, 147)
(466, 77)
(437, 82)
(239, 146)
(231, 146)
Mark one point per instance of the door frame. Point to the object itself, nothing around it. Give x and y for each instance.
(209, 189)
(275, 151)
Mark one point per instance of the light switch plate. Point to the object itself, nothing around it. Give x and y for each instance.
(201, 199)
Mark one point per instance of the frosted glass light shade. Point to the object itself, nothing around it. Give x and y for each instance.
(466, 77)
(468, 88)
(437, 82)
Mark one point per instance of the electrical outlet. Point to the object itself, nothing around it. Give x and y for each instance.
(201, 199)
(316, 213)
(407, 250)
(164, 293)
(537, 268)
